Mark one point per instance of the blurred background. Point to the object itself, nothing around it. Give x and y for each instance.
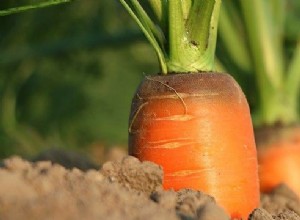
(68, 74)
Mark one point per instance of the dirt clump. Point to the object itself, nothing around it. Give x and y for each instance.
(48, 191)
(259, 214)
(280, 200)
(129, 172)
(122, 189)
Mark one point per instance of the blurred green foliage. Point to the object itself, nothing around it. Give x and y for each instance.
(262, 55)
(68, 74)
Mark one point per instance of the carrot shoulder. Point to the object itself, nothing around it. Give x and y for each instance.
(198, 128)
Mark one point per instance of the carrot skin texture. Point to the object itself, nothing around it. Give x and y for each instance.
(198, 128)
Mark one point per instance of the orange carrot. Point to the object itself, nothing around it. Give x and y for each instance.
(198, 128)
(279, 159)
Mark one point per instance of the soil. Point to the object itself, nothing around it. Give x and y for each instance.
(121, 189)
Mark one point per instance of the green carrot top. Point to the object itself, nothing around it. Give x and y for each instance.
(36, 5)
(182, 33)
(263, 57)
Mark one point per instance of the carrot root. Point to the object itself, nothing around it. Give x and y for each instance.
(198, 128)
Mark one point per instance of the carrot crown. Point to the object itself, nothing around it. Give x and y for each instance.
(182, 33)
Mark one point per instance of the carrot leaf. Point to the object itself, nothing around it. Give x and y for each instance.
(185, 36)
(258, 46)
(146, 29)
(292, 83)
(19, 9)
(159, 9)
(231, 34)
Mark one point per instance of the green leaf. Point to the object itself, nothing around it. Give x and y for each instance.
(147, 22)
(293, 76)
(190, 38)
(231, 34)
(159, 8)
(148, 33)
(15, 10)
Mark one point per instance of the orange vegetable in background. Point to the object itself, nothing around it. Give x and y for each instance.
(198, 128)
(260, 47)
(279, 157)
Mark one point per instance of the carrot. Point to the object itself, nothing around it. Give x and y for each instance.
(192, 121)
(279, 158)
(198, 128)
(262, 55)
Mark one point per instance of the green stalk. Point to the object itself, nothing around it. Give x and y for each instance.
(148, 23)
(199, 23)
(159, 8)
(277, 84)
(188, 44)
(148, 33)
(177, 36)
(278, 15)
(15, 10)
(293, 76)
(234, 41)
(193, 44)
(266, 52)
(292, 83)
(186, 6)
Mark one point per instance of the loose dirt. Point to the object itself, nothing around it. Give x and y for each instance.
(121, 189)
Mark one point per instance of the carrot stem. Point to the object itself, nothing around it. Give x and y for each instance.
(231, 36)
(198, 23)
(143, 23)
(292, 83)
(177, 34)
(186, 38)
(261, 52)
(266, 51)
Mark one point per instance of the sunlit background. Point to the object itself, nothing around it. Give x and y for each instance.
(68, 74)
